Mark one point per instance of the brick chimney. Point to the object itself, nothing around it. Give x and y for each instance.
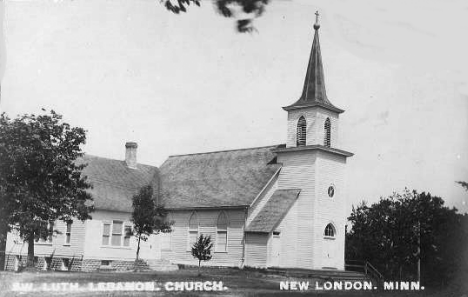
(131, 154)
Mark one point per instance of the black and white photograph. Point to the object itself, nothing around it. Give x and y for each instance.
(233, 148)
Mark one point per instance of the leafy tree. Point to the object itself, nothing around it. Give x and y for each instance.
(201, 249)
(243, 10)
(40, 180)
(147, 217)
(398, 231)
(4, 226)
(463, 184)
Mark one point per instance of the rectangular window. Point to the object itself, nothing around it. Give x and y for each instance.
(116, 239)
(116, 233)
(106, 233)
(47, 231)
(106, 263)
(50, 231)
(127, 235)
(68, 232)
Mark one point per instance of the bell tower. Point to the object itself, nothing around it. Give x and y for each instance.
(311, 161)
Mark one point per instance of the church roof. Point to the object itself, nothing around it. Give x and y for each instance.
(114, 183)
(273, 211)
(216, 179)
(313, 92)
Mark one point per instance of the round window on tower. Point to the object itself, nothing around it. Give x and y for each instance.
(331, 191)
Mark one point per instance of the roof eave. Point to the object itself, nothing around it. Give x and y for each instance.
(314, 147)
(110, 209)
(266, 186)
(256, 232)
(313, 104)
(242, 206)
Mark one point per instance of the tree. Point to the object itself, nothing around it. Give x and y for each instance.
(147, 217)
(399, 231)
(243, 10)
(201, 249)
(463, 184)
(40, 180)
(4, 226)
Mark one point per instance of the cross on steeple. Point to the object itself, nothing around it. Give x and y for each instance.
(316, 25)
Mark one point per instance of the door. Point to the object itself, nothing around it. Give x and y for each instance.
(329, 254)
(275, 249)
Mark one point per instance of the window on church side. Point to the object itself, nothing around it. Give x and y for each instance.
(327, 127)
(116, 233)
(105, 233)
(46, 234)
(68, 232)
(329, 231)
(222, 233)
(192, 231)
(116, 236)
(301, 132)
(128, 232)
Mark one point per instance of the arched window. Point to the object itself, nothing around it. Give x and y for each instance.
(301, 132)
(329, 231)
(192, 230)
(327, 127)
(221, 233)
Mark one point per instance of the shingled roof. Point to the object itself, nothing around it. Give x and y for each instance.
(114, 183)
(273, 211)
(216, 179)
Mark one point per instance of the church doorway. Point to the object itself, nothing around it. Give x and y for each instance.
(275, 249)
(329, 254)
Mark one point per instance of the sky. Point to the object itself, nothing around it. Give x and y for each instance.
(176, 84)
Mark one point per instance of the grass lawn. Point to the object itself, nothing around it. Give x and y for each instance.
(235, 283)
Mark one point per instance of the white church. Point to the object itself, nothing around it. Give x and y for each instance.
(276, 206)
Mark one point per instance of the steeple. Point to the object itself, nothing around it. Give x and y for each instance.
(313, 92)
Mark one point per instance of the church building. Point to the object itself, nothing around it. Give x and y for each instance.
(275, 206)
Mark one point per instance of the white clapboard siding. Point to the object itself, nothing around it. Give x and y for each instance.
(180, 249)
(331, 210)
(93, 239)
(58, 247)
(256, 250)
(298, 171)
(289, 238)
(313, 172)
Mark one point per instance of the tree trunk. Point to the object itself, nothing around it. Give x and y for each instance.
(30, 260)
(3, 238)
(199, 264)
(138, 248)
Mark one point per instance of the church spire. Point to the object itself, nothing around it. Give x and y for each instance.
(313, 92)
